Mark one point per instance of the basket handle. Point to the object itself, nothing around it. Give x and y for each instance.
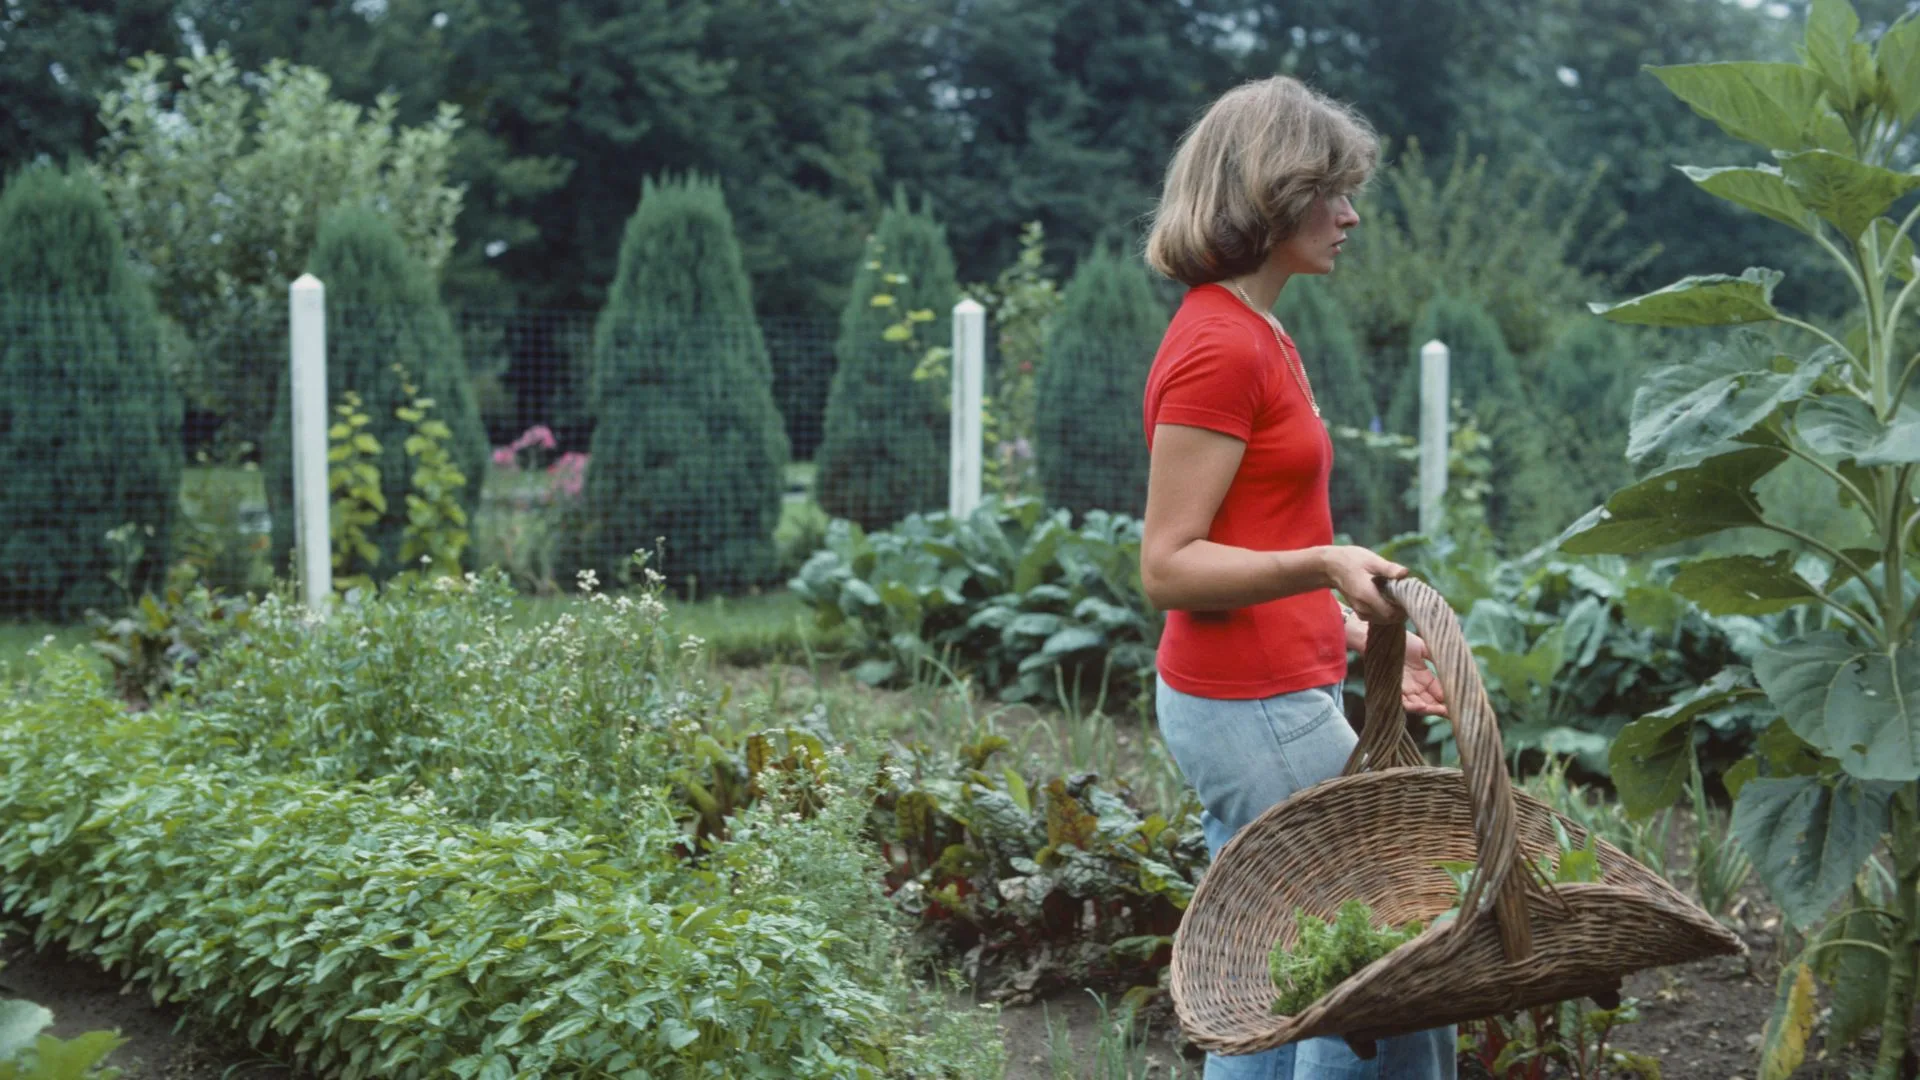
(1384, 743)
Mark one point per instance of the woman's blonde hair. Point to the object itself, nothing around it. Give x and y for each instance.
(1246, 174)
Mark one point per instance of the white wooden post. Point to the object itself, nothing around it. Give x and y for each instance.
(1433, 437)
(307, 381)
(969, 380)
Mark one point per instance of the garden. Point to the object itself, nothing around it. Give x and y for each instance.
(661, 724)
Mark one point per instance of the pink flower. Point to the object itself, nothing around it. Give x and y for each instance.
(538, 435)
(569, 474)
(503, 456)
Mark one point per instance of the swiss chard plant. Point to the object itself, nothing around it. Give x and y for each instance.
(1836, 774)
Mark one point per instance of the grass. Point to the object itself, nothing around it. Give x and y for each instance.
(16, 638)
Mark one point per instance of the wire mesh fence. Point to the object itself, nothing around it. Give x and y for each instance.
(705, 442)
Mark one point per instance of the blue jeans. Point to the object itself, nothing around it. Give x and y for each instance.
(1243, 757)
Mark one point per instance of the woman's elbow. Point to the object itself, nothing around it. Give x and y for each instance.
(1154, 582)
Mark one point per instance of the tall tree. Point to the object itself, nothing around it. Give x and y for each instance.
(220, 183)
(57, 57)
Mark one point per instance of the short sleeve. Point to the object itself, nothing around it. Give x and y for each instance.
(1215, 380)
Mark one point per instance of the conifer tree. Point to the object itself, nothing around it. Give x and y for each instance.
(90, 423)
(386, 330)
(883, 454)
(1360, 492)
(1087, 419)
(688, 451)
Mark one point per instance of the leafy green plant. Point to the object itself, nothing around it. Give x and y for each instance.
(1326, 954)
(1011, 593)
(1837, 773)
(1019, 867)
(28, 1053)
(436, 529)
(1572, 650)
(353, 479)
(1568, 1039)
(161, 639)
(363, 929)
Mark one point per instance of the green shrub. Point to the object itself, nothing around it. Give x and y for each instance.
(89, 419)
(366, 929)
(1361, 492)
(884, 451)
(389, 340)
(1017, 596)
(688, 447)
(1101, 344)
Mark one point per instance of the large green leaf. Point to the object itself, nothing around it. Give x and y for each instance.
(1702, 300)
(1761, 189)
(1846, 427)
(1846, 192)
(1744, 584)
(1763, 103)
(20, 1023)
(1688, 411)
(1807, 839)
(1676, 504)
(1652, 757)
(1858, 975)
(1852, 703)
(1843, 62)
(1899, 61)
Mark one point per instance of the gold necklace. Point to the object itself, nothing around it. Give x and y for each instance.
(1293, 360)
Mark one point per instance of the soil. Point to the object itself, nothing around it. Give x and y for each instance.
(162, 1042)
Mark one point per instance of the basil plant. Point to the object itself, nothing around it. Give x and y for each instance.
(1826, 806)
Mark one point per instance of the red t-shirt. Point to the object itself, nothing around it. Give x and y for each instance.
(1221, 367)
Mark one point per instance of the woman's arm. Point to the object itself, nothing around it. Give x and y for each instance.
(1187, 477)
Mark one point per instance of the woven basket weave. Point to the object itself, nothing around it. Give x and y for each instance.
(1377, 833)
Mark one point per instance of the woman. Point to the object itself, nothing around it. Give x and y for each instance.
(1238, 548)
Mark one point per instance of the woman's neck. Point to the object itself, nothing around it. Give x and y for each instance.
(1260, 288)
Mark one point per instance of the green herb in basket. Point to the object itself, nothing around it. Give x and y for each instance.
(1325, 955)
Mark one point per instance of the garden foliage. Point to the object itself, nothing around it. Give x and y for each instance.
(688, 450)
(418, 891)
(89, 417)
(221, 180)
(884, 451)
(1836, 773)
(390, 342)
(1017, 597)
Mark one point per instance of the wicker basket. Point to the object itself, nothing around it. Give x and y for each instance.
(1377, 835)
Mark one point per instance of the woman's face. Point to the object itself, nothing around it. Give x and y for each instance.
(1313, 248)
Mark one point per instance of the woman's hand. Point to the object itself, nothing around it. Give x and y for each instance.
(1420, 689)
(1351, 571)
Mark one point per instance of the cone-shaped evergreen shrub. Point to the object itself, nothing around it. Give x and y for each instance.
(883, 454)
(386, 329)
(1569, 434)
(1086, 420)
(1361, 493)
(688, 447)
(89, 420)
